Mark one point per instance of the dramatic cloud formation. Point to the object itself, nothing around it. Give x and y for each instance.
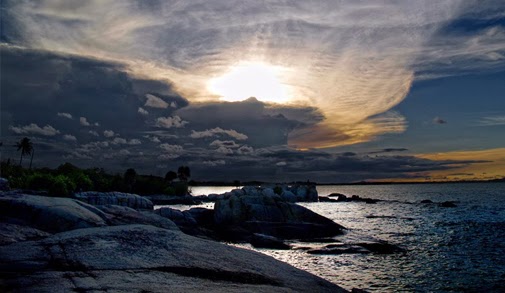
(352, 61)
(246, 88)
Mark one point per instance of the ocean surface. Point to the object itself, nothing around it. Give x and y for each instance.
(460, 249)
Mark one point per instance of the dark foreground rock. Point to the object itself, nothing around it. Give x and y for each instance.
(65, 245)
(141, 258)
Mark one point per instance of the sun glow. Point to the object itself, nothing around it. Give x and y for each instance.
(251, 79)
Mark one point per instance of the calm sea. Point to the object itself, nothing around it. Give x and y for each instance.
(459, 249)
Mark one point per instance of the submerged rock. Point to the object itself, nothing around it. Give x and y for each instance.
(360, 248)
(265, 241)
(447, 204)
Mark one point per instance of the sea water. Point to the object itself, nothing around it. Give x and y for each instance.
(458, 249)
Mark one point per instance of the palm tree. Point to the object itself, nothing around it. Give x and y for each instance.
(26, 148)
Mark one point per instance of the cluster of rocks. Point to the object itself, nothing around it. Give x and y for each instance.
(339, 197)
(289, 193)
(444, 204)
(65, 244)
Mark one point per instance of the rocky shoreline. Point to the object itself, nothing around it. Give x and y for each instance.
(97, 241)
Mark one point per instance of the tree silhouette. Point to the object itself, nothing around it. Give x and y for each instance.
(184, 173)
(26, 148)
(130, 177)
(170, 176)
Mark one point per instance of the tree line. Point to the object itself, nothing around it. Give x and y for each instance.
(67, 178)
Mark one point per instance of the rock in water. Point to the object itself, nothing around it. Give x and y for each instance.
(271, 215)
(140, 258)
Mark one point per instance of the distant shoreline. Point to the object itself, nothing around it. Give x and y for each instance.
(218, 184)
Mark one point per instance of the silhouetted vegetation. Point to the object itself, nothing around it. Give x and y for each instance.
(26, 148)
(67, 179)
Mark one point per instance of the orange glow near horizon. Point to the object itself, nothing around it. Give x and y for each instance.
(492, 167)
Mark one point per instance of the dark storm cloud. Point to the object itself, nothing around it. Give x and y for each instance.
(264, 124)
(389, 150)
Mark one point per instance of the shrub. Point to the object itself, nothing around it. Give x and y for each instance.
(181, 188)
(278, 190)
(169, 191)
(81, 181)
(59, 185)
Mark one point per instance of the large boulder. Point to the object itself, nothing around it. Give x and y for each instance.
(48, 214)
(130, 200)
(180, 218)
(271, 215)
(140, 258)
(119, 215)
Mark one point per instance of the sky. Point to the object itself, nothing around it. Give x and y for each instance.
(327, 91)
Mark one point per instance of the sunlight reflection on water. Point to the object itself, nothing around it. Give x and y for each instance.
(449, 249)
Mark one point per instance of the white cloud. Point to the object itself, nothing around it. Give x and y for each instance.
(124, 152)
(492, 121)
(65, 115)
(69, 137)
(155, 102)
(170, 122)
(33, 128)
(93, 146)
(153, 138)
(173, 104)
(134, 141)
(142, 111)
(173, 148)
(225, 143)
(84, 121)
(119, 140)
(216, 131)
(214, 163)
(94, 133)
(245, 150)
(224, 150)
(168, 156)
(108, 133)
(280, 164)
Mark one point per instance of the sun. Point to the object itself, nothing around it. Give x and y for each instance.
(251, 79)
